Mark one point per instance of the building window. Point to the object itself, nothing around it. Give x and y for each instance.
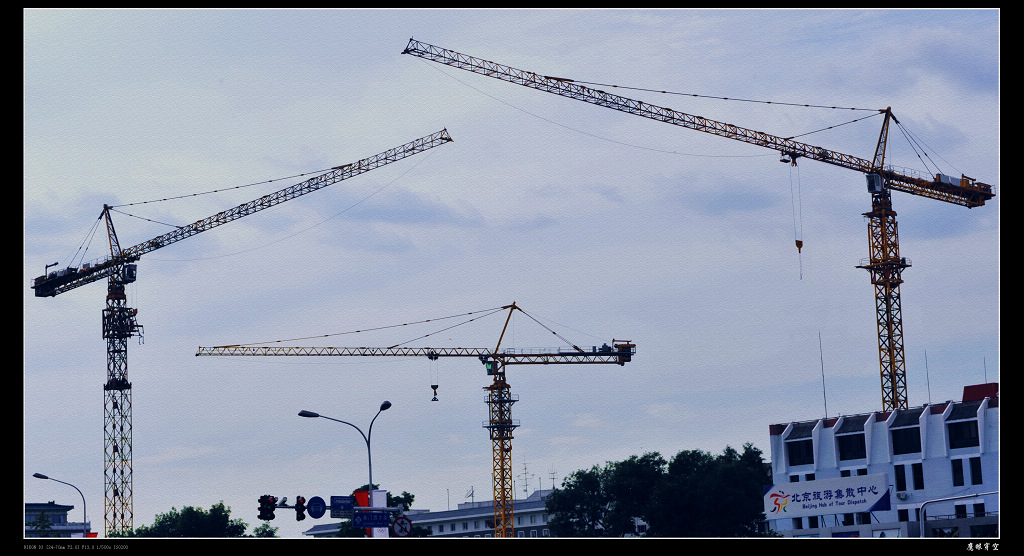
(800, 452)
(812, 522)
(851, 446)
(901, 478)
(975, 471)
(958, 472)
(960, 511)
(906, 441)
(916, 473)
(798, 523)
(903, 515)
(979, 510)
(963, 434)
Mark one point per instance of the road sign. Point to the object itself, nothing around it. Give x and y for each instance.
(370, 519)
(341, 506)
(402, 526)
(316, 508)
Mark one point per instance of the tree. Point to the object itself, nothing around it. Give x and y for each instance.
(42, 525)
(695, 494)
(580, 507)
(193, 522)
(603, 501)
(264, 530)
(710, 496)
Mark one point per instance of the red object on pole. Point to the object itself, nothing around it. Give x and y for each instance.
(363, 499)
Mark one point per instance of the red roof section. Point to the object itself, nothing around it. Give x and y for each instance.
(981, 391)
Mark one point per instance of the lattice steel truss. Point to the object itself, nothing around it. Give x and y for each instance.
(501, 425)
(119, 324)
(886, 267)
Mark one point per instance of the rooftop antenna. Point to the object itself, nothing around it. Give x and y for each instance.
(926, 379)
(822, 357)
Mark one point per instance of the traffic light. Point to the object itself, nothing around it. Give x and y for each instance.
(300, 508)
(263, 507)
(267, 505)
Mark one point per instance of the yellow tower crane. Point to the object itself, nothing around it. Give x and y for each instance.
(119, 321)
(499, 397)
(884, 263)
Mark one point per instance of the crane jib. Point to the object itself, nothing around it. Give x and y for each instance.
(963, 191)
(69, 278)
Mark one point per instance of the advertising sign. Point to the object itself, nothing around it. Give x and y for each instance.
(843, 495)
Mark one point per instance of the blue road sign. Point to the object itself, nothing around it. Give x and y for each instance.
(341, 506)
(370, 519)
(316, 508)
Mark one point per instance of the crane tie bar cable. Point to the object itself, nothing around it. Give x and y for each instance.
(716, 98)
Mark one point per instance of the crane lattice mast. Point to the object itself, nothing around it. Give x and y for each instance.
(120, 324)
(884, 264)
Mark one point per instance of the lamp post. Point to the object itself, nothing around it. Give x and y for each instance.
(85, 530)
(366, 437)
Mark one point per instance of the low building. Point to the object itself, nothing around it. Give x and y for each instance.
(470, 519)
(57, 515)
(476, 519)
(938, 465)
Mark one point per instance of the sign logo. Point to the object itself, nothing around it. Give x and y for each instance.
(779, 501)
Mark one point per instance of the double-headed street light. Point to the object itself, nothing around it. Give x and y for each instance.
(366, 436)
(85, 527)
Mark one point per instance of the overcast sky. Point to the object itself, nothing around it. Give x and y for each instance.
(597, 223)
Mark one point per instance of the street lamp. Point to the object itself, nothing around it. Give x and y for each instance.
(85, 530)
(366, 436)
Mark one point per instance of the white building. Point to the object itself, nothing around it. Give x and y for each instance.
(940, 463)
(57, 515)
(476, 519)
(471, 519)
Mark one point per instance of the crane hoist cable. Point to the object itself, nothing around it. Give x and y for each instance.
(798, 214)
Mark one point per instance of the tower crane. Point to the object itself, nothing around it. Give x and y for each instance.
(499, 397)
(884, 264)
(119, 320)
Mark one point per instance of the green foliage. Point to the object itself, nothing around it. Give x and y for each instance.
(264, 531)
(696, 494)
(42, 525)
(194, 522)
